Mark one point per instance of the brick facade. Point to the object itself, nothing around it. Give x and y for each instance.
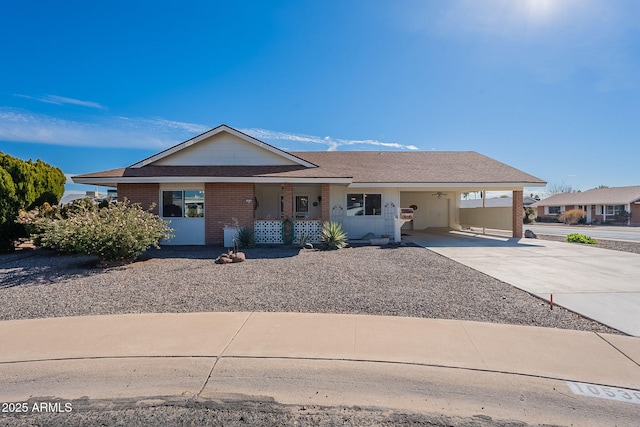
(145, 194)
(326, 202)
(635, 214)
(518, 213)
(226, 204)
(595, 218)
(287, 196)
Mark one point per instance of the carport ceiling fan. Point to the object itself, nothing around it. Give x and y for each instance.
(439, 194)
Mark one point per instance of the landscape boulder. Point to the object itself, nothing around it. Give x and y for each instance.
(230, 257)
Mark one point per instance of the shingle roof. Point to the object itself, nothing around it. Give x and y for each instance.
(596, 196)
(361, 166)
(418, 166)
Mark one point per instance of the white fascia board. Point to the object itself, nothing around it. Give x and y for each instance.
(489, 186)
(215, 131)
(182, 179)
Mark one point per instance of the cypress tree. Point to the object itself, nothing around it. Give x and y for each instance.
(25, 185)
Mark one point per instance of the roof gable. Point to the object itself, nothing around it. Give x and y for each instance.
(223, 146)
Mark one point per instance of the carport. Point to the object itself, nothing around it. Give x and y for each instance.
(439, 208)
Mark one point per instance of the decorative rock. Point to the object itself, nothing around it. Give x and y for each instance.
(530, 234)
(238, 257)
(230, 257)
(223, 259)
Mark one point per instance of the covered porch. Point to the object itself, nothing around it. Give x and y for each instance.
(290, 212)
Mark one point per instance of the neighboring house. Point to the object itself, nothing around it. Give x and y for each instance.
(600, 204)
(225, 178)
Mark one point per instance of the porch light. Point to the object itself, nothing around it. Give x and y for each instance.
(248, 200)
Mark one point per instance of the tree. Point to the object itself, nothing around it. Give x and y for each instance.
(560, 188)
(601, 186)
(24, 185)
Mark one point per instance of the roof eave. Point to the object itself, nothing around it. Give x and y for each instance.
(112, 181)
(497, 186)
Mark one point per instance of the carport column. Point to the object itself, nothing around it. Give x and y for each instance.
(517, 214)
(287, 200)
(325, 202)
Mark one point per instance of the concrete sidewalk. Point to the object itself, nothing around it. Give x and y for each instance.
(421, 365)
(600, 284)
(543, 352)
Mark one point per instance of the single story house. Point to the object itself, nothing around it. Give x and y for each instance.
(601, 204)
(224, 178)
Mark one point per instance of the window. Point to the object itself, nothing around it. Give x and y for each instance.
(555, 210)
(183, 204)
(614, 209)
(364, 204)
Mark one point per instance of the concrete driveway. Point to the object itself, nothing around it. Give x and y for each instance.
(600, 284)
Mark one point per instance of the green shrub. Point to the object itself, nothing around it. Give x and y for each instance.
(333, 236)
(245, 238)
(581, 238)
(118, 232)
(547, 218)
(24, 185)
(572, 217)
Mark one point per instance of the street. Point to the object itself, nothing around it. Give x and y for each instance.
(595, 231)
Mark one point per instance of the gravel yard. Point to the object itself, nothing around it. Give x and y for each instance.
(396, 281)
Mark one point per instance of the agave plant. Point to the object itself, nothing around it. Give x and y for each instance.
(333, 236)
(245, 238)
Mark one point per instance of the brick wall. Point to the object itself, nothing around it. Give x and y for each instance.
(326, 202)
(226, 204)
(145, 194)
(287, 195)
(635, 214)
(518, 213)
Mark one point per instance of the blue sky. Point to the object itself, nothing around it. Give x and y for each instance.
(549, 86)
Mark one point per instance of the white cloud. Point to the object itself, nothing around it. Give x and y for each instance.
(62, 100)
(148, 133)
(330, 144)
(24, 126)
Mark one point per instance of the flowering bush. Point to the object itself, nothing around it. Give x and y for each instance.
(119, 231)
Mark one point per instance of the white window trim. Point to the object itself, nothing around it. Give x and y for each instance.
(183, 190)
(364, 204)
(546, 210)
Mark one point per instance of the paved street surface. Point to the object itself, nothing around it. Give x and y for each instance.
(600, 284)
(597, 231)
(307, 362)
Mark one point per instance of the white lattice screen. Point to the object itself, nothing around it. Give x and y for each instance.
(309, 228)
(270, 231)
